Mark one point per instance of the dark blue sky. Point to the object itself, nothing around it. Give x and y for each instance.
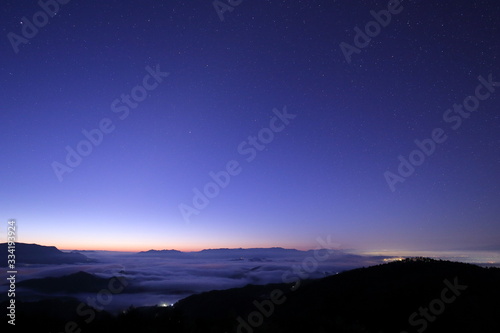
(323, 170)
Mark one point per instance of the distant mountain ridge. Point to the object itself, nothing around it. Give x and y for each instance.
(231, 253)
(39, 254)
(224, 250)
(163, 253)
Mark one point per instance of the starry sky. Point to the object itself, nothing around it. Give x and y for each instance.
(130, 125)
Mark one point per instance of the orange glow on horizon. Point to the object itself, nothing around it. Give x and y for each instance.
(64, 246)
(122, 246)
(122, 249)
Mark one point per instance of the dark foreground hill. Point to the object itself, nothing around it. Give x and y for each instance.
(417, 295)
(79, 282)
(38, 254)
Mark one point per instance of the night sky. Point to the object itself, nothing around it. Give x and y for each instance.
(131, 125)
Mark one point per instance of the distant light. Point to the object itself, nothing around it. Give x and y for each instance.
(393, 259)
(165, 304)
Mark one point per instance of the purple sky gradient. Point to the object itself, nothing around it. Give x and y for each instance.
(323, 173)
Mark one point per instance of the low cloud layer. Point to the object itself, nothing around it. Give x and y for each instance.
(164, 278)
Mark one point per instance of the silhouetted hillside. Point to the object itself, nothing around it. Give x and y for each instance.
(406, 296)
(38, 254)
(74, 283)
(374, 299)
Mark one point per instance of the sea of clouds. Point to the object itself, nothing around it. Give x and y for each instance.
(164, 277)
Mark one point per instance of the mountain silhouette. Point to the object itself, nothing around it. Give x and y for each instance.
(234, 254)
(39, 254)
